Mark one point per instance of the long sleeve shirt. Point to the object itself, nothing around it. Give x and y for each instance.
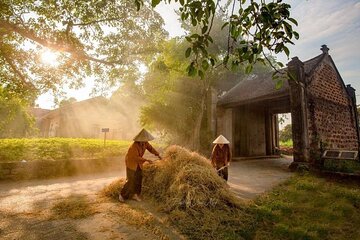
(134, 156)
(220, 156)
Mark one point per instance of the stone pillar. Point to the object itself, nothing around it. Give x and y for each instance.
(351, 91)
(298, 103)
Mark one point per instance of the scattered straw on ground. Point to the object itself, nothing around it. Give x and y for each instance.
(198, 202)
(74, 207)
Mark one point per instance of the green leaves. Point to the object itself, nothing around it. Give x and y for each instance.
(279, 84)
(138, 4)
(154, 3)
(188, 52)
(101, 39)
(205, 64)
(248, 68)
(286, 50)
(257, 27)
(15, 120)
(191, 70)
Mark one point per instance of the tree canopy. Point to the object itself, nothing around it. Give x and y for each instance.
(255, 28)
(15, 120)
(179, 105)
(286, 133)
(107, 39)
(100, 38)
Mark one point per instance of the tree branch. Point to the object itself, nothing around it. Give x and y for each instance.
(29, 34)
(17, 72)
(95, 21)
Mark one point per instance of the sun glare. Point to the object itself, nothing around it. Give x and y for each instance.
(49, 58)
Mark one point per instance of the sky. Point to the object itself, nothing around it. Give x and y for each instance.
(335, 23)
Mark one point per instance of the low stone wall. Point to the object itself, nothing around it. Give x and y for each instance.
(49, 169)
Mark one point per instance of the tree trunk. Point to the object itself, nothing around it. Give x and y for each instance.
(197, 125)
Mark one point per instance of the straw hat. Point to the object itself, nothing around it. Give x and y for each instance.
(221, 140)
(143, 136)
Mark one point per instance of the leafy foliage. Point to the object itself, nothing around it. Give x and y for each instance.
(99, 38)
(253, 29)
(178, 104)
(286, 133)
(15, 120)
(289, 143)
(108, 39)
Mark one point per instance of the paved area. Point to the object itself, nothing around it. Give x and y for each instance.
(249, 178)
(22, 195)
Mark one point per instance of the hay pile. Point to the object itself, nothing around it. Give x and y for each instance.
(198, 201)
(186, 180)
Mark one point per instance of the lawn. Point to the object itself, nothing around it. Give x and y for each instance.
(308, 207)
(288, 143)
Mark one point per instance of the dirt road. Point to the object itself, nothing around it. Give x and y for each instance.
(26, 207)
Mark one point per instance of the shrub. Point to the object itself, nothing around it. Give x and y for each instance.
(346, 166)
(59, 149)
(285, 134)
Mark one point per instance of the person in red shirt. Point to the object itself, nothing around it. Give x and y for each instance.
(221, 156)
(134, 163)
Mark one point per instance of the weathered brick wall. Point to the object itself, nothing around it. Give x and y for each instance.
(331, 116)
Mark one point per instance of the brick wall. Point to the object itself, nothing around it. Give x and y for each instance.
(331, 116)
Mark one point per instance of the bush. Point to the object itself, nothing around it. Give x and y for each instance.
(285, 134)
(346, 166)
(12, 150)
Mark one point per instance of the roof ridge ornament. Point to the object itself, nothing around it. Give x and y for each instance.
(324, 49)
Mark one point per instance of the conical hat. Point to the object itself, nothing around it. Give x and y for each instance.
(221, 140)
(143, 136)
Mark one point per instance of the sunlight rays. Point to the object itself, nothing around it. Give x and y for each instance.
(49, 58)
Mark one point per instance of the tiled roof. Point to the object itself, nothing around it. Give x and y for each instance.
(262, 87)
(92, 102)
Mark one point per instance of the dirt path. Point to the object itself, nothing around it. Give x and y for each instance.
(26, 208)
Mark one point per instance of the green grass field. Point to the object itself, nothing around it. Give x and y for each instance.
(308, 207)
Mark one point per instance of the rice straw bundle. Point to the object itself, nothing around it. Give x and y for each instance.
(198, 201)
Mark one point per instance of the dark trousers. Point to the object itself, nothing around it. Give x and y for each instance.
(223, 173)
(133, 183)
